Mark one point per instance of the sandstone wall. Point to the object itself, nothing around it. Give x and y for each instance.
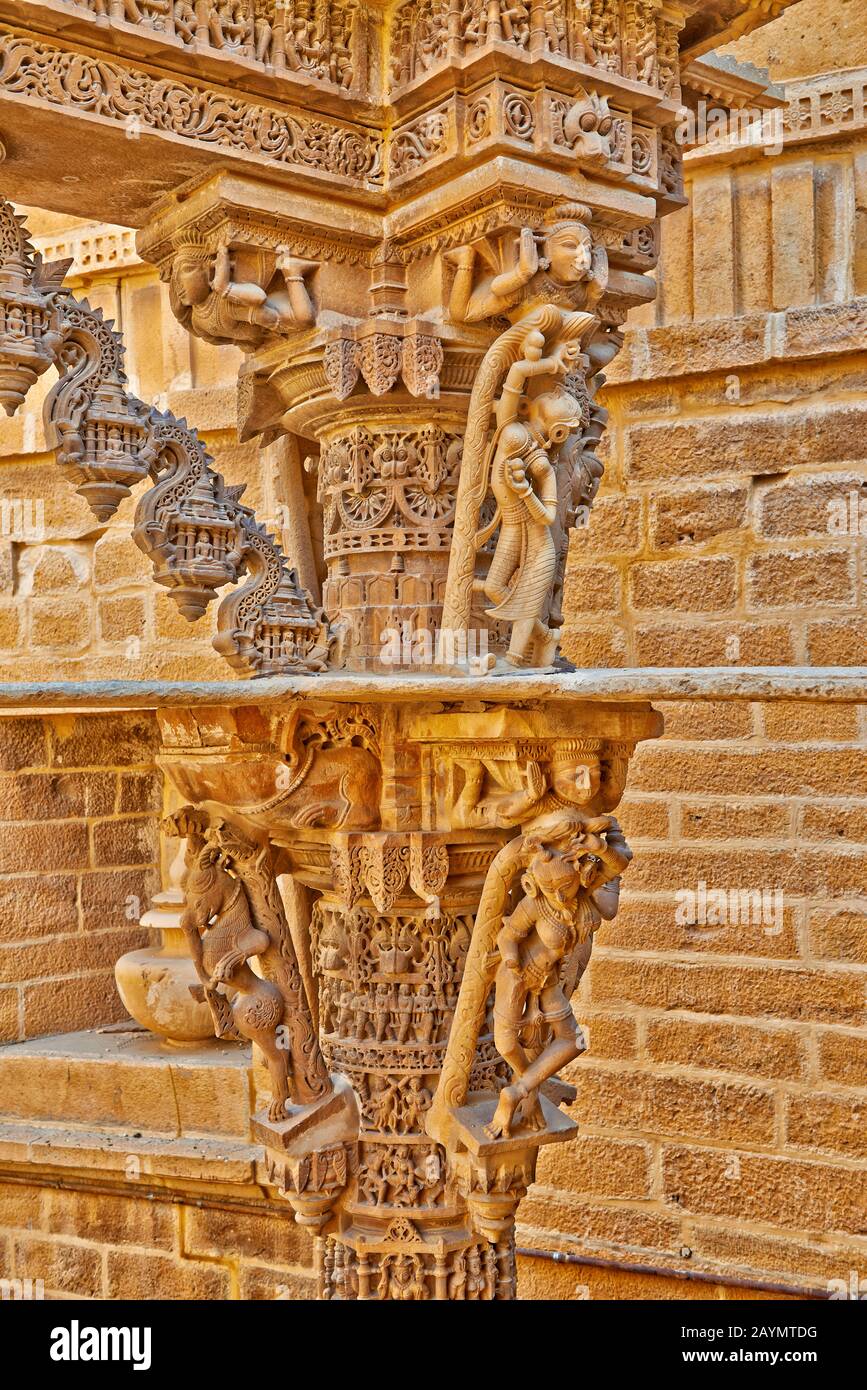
(722, 1098)
(79, 808)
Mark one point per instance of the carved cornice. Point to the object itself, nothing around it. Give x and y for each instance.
(276, 48)
(827, 107)
(711, 23)
(223, 224)
(140, 102)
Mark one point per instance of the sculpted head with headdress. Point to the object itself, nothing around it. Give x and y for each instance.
(568, 243)
(191, 270)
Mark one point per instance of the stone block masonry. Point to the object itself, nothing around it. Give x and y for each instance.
(80, 801)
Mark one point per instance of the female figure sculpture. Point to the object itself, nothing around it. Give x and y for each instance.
(544, 947)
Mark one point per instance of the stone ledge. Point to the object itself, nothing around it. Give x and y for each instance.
(748, 340)
(633, 684)
(123, 1086)
(43, 1151)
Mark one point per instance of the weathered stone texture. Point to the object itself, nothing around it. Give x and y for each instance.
(79, 805)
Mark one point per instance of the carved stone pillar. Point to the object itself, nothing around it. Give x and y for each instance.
(431, 345)
(415, 825)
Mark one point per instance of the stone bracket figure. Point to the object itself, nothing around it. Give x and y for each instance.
(233, 914)
(571, 865)
(542, 946)
(239, 294)
(537, 411)
(558, 264)
(524, 484)
(223, 938)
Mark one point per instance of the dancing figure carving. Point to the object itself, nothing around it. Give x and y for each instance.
(531, 365)
(544, 947)
(524, 484)
(570, 866)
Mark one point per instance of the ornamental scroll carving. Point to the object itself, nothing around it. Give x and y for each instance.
(274, 135)
(192, 526)
(380, 358)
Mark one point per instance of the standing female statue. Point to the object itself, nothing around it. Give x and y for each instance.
(521, 576)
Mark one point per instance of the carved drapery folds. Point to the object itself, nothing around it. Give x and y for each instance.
(190, 524)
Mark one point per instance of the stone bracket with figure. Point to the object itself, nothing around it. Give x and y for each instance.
(242, 294)
(567, 866)
(532, 381)
(559, 263)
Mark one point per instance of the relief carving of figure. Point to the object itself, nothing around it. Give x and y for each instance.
(569, 865)
(223, 938)
(520, 579)
(403, 1278)
(543, 948)
(331, 776)
(507, 792)
(559, 265)
(210, 296)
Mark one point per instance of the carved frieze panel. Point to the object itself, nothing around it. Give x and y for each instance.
(631, 39)
(405, 479)
(205, 116)
(478, 1274)
(326, 43)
